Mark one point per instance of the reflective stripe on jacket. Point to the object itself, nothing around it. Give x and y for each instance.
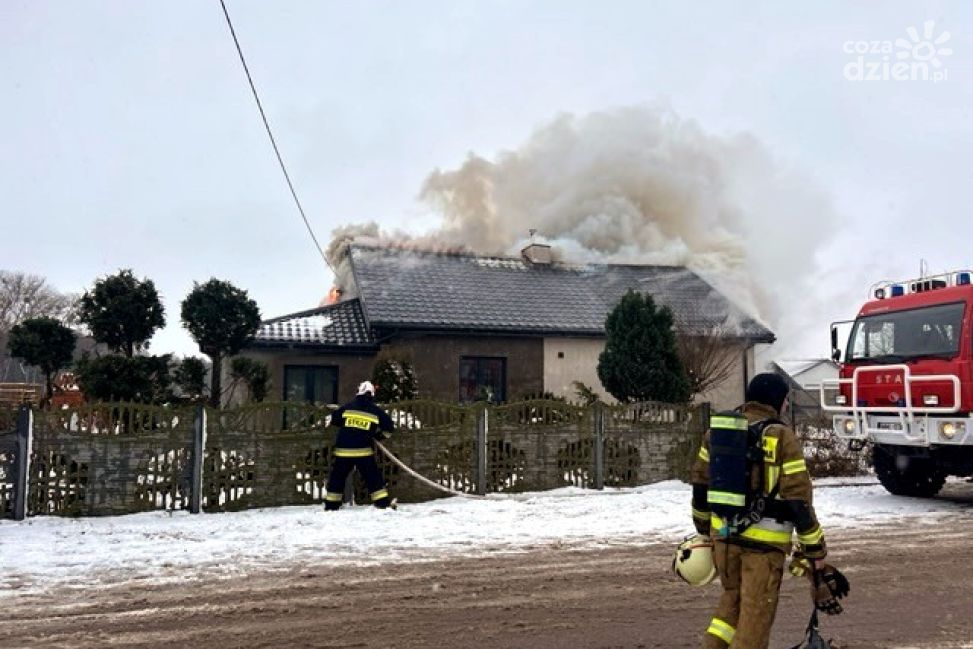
(784, 466)
(360, 423)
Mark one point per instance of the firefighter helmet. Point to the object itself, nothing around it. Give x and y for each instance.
(694, 560)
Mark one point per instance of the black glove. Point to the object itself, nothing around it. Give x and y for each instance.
(828, 586)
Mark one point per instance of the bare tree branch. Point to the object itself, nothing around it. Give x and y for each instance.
(24, 296)
(709, 358)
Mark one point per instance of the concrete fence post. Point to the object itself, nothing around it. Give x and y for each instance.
(199, 449)
(599, 446)
(25, 444)
(482, 431)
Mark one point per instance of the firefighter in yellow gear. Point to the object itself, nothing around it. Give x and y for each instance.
(750, 551)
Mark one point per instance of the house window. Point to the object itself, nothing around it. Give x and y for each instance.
(314, 383)
(482, 379)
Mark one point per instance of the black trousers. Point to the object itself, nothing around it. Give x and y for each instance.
(368, 469)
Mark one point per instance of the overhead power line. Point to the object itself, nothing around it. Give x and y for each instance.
(270, 134)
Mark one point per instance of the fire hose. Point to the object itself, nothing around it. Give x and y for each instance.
(424, 480)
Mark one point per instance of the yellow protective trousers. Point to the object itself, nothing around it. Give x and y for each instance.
(751, 584)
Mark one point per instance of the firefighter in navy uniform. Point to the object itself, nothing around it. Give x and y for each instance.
(360, 423)
(751, 497)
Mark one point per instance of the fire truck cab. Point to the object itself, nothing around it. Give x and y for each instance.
(906, 382)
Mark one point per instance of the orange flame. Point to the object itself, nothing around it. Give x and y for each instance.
(334, 295)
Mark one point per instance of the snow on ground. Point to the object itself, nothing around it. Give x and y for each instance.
(160, 546)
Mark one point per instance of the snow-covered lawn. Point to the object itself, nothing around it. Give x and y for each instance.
(46, 551)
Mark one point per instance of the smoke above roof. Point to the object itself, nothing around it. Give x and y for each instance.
(637, 185)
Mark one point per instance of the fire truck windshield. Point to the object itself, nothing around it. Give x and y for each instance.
(896, 336)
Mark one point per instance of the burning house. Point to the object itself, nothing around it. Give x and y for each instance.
(474, 325)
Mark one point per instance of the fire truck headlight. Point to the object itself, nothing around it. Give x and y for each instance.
(949, 429)
(841, 400)
(844, 426)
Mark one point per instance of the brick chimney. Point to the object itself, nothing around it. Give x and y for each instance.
(537, 253)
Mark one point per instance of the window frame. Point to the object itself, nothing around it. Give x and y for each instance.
(309, 385)
(502, 397)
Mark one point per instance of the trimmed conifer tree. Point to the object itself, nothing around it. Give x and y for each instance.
(44, 343)
(222, 319)
(122, 312)
(640, 361)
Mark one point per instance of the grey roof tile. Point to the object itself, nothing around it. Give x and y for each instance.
(415, 289)
(341, 325)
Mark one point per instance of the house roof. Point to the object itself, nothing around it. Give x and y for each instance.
(795, 368)
(341, 325)
(408, 289)
(798, 374)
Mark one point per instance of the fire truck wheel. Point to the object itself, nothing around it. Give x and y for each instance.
(905, 475)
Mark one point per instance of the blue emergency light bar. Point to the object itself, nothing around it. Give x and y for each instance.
(923, 284)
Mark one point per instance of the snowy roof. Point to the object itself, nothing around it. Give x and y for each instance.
(341, 324)
(447, 291)
(795, 368)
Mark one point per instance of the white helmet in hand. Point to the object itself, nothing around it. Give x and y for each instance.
(694, 560)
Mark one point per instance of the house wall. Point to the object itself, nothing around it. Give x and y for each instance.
(732, 391)
(436, 362)
(567, 360)
(580, 363)
(352, 370)
(533, 366)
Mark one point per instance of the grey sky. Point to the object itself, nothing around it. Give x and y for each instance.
(129, 138)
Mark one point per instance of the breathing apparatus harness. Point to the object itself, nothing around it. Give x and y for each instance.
(737, 448)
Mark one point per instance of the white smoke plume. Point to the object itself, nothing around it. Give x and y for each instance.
(371, 234)
(642, 185)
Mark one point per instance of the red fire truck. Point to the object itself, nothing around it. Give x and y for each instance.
(906, 382)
